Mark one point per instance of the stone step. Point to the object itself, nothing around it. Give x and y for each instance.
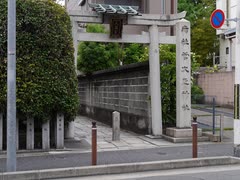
(184, 140)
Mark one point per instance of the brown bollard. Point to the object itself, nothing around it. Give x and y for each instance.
(194, 138)
(94, 143)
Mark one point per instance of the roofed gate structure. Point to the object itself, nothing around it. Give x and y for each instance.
(118, 16)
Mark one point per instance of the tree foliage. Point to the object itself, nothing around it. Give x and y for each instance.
(204, 39)
(93, 56)
(46, 78)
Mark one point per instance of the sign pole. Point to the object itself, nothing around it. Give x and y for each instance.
(237, 87)
(11, 88)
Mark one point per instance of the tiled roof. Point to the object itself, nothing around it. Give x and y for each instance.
(115, 9)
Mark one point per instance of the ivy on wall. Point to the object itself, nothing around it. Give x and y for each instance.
(46, 77)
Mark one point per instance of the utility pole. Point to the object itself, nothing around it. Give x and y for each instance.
(11, 88)
(237, 87)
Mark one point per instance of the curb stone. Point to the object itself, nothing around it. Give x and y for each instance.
(119, 168)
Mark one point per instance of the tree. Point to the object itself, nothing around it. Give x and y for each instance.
(204, 39)
(46, 77)
(93, 56)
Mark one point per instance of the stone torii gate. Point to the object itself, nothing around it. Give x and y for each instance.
(153, 38)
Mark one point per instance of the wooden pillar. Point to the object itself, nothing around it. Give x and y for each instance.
(30, 133)
(46, 135)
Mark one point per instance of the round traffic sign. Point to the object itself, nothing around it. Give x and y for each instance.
(217, 18)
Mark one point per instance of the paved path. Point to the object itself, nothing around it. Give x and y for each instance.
(128, 140)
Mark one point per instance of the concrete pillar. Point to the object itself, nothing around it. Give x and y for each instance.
(30, 133)
(69, 130)
(1, 131)
(17, 133)
(154, 64)
(116, 126)
(46, 135)
(183, 73)
(75, 42)
(59, 131)
(237, 88)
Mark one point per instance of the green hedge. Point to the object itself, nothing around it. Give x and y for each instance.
(46, 77)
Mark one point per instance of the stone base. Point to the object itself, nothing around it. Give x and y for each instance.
(212, 137)
(181, 133)
(237, 151)
(153, 137)
(177, 135)
(184, 139)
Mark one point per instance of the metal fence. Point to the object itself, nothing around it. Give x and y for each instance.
(209, 117)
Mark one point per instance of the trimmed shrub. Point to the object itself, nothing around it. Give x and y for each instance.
(46, 77)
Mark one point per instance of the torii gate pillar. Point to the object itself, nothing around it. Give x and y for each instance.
(154, 65)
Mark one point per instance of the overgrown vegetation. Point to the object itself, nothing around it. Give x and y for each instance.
(46, 78)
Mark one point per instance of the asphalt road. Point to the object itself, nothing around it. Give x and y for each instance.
(64, 160)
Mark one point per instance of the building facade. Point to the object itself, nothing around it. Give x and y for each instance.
(227, 34)
(145, 6)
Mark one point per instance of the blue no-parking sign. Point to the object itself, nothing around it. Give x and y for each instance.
(217, 18)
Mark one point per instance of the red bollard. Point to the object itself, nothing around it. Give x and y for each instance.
(194, 138)
(94, 143)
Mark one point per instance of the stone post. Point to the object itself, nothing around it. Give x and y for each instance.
(59, 131)
(1, 131)
(69, 130)
(116, 126)
(30, 133)
(46, 135)
(154, 65)
(183, 72)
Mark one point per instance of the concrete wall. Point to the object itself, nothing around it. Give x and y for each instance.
(220, 85)
(124, 89)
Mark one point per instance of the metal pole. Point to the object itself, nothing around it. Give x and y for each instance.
(221, 127)
(194, 138)
(213, 115)
(11, 87)
(94, 143)
(163, 6)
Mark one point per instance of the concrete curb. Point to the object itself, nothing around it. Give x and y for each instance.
(119, 168)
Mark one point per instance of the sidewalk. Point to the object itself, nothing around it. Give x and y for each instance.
(131, 148)
(130, 140)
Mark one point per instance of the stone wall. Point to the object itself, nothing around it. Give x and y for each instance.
(220, 84)
(125, 89)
